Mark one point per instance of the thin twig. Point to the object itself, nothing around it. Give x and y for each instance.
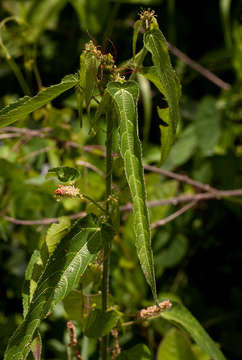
(35, 153)
(181, 178)
(199, 68)
(90, 166)
(172, 216)
(185, 198)
(45, 221)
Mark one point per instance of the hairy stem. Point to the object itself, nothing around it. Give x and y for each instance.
(105, 280)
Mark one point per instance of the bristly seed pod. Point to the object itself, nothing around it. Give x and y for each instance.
(67, 191)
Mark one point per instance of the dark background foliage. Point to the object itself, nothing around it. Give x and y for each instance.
(203, 269)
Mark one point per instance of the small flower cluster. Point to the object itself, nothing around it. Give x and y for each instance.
(148, 18)
(152, 311)
(67, 191)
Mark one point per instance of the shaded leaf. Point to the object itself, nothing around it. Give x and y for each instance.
(100, 323)
(36, 347)
(63, 173)
(175, 346)
(137, 26)
(140, 351)
(181, 317)
(207, 125)
(125, 97)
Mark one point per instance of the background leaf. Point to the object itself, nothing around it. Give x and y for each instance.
(63, 173)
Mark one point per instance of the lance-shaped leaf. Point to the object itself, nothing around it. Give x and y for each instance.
(181, 317)
(63, 270)
(24, 106)
(155, 43)
(125, 97)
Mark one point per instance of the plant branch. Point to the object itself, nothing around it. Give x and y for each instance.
(173, 216)
(199, 68)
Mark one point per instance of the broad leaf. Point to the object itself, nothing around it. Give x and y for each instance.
(175, 346)
(100, 323)
(125, 97)
(63, 173)
(181, 317)
(140, 351)
(24, 106)
(63, 270)
(155, 43)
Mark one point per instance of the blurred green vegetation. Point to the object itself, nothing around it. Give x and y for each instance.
(198, 255)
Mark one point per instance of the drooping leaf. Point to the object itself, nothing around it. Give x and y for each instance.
(140, 351)
(68, 262)
(181, 317)
(137, 26)
(125, 97)
(36, 347)
(100, 323)
(183, 149)
(175, 346)
(40, 14)
(63, 173)
(225, 6)
(146, 94)
(26, 286)
(207, 125)
(166, 129)
(155, 43)
(24, 106)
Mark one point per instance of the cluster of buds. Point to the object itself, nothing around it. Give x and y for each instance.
(148, 18)
(68, 191)
(153, 311)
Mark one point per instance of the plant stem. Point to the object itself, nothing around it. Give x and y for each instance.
(105, 279)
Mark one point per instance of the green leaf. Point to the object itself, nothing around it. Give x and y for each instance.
(41, 14)
(207, 125)
(24, 106)
(137, 26)
(181, 317)
(146, 94)
(63, 173)
(140, 351)
(56, 232)
(225, 6)
(166, 129)
(125, 97)
(100, 323)
(172, 254)
(36, 347)
(155, 43)
(183, 149)
(68, 262)
(175, 346)
(28, 275)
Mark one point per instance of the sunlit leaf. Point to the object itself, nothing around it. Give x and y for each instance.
(24, 106)
(125, 97)
(68, 262)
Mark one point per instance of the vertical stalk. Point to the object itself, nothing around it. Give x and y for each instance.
(105, 279)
